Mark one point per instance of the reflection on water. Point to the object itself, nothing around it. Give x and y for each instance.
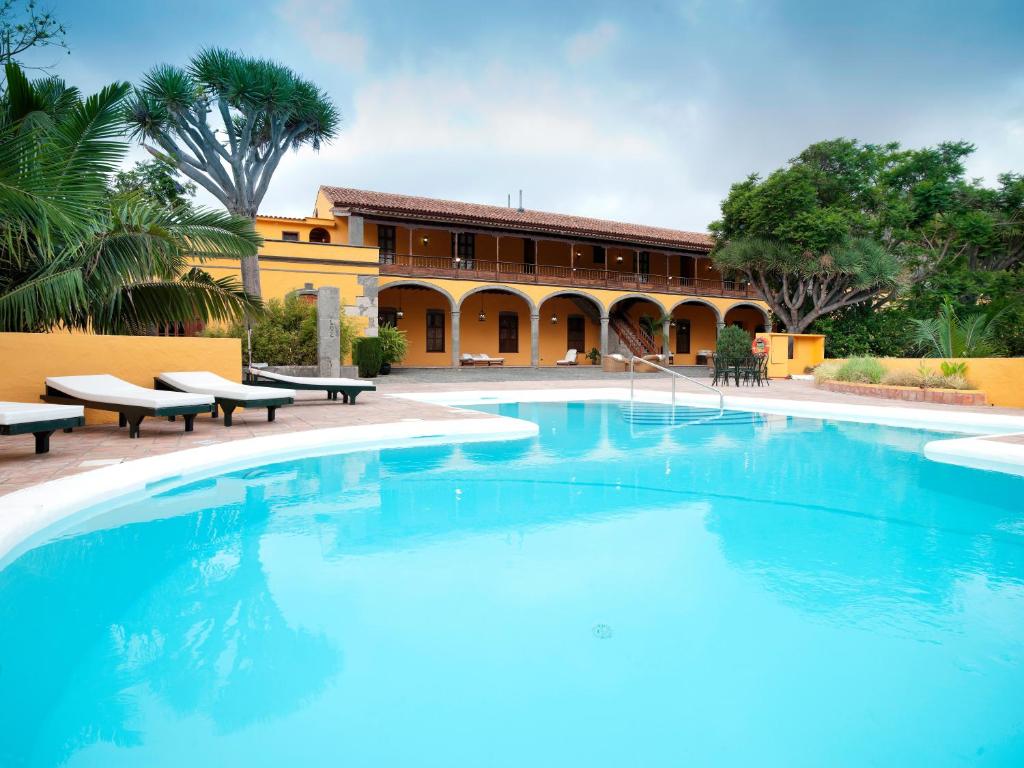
(418, 606)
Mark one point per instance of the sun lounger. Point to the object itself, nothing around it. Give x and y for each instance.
(228, 394)
(349, 388)
(569, 359)
(485, 359)
(467, 359)
(131, 402)
(39, 420)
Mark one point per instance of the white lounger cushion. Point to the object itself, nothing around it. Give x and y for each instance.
(104, 388)
(311, 381)
(23, 413)
(207, 383)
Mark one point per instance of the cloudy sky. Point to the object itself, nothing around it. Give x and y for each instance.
(640, 111)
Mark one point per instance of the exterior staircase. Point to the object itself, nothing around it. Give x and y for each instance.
(635, 339)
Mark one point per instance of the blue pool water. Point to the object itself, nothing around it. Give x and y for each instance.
(757, 591)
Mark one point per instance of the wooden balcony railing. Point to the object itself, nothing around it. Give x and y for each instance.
(518, 272)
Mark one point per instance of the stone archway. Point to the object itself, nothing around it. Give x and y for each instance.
(428, 315)
(569, 319)
(694, 331)
(750, 317)
(497, 321)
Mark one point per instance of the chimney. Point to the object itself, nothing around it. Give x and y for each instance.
(521, 201)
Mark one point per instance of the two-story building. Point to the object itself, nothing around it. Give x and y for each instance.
(522, 285)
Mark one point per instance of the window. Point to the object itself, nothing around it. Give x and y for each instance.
(291, 237)
(508, 332)
(789, 348)
(530, 256)
(387, 316)
(599, 254)
(386, 243)
(435, 330)
(319, 235)
(463, 249)
(577, 335)
(683, 337)
(643, 264)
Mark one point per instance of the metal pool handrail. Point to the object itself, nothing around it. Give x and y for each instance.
(633, 359)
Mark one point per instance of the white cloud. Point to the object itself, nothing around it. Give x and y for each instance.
(477, 136)
(589, 44)
(324, 31)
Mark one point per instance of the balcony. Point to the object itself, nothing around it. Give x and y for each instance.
(450, 268)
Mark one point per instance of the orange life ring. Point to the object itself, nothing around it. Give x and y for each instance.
(760, 346)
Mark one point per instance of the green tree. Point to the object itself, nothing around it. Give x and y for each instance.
(156, 182)
(226, 121)
(733, 344)
(72, 254)
(846, 223)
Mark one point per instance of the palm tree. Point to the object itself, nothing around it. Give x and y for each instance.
(75, 255)
(950, 336)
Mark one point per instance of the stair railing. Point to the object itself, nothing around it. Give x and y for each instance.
(675, 376)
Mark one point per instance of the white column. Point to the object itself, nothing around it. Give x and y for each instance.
(604, 335)
(665, 323)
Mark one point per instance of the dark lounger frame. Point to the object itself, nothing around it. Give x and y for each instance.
(42, 429)
(348, 391)
(228, 404)
(130, 415)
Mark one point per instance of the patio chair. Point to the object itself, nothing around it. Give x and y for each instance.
(569, 359)
(39, 420)
(721, 371)
(132, 403)
(227, 394)
(347, 388)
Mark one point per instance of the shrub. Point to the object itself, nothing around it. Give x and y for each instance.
(393, 343)
(926, 378)
(286, 333)
(733, 345)
(954, 369)
(826, 372)
(863, 370)
(368, 355)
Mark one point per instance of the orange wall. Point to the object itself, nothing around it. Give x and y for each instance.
(749, 316)
(414, 305)
(477, 337)
(133, 358)
(703, 332)
(554, 337)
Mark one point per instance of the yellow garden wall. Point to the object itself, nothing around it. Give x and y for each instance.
(808, 351)
(1000, 378)
(31, 357)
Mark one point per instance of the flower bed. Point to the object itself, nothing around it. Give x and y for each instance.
(915, 394)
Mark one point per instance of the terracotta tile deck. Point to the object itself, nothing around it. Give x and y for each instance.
(94, 445)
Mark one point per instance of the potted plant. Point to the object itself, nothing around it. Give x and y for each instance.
(394, 346)
(594, 356)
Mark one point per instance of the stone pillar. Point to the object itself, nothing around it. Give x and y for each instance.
(366, 305)
(665, 327)
(718, 327)
(604, 336)
(328, 324)
(355, 230)
(535, 340)
(455, 338)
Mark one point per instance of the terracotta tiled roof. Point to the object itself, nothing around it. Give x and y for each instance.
(425, 208)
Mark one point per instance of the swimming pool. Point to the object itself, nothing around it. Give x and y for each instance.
(620, 590)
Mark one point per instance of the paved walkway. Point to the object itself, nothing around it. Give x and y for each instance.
(101, 444)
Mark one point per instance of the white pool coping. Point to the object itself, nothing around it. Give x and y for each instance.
(32, 515)
(36, 514)
(973, 452)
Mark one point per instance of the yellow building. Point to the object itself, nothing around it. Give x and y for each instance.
(522, 285)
